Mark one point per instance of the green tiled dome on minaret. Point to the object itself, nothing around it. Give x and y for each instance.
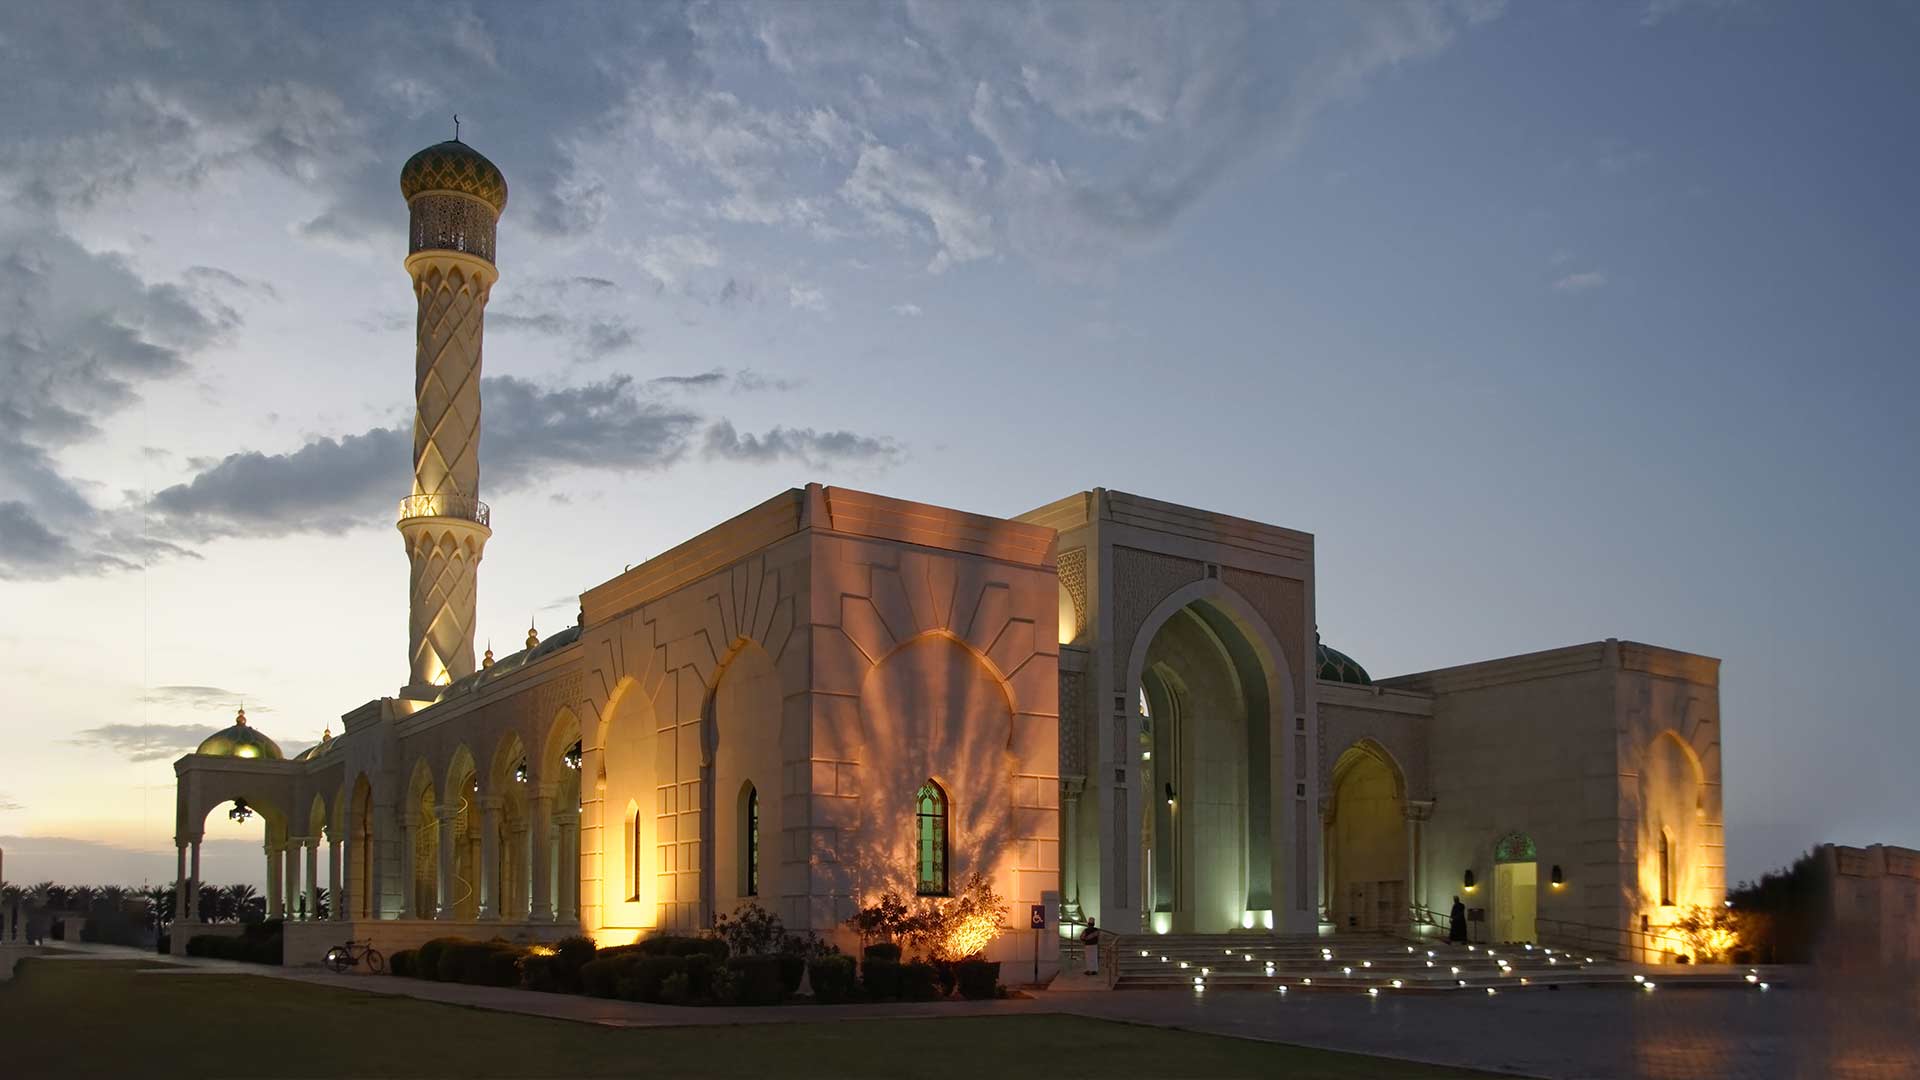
(454, 166)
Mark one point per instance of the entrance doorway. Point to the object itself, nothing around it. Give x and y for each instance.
(1366, 841)
(1516, 889)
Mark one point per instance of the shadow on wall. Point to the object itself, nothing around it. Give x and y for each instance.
(933, 709)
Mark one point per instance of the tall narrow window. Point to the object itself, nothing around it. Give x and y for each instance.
(750, 843)
(1666, 869)
(635, 864)
(931, 822)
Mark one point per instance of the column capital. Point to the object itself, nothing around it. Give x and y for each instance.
(1419, 809)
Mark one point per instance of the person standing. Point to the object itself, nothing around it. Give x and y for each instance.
(1458, 916)
(1090, 945)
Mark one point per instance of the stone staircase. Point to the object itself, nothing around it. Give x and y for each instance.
(1363, 963)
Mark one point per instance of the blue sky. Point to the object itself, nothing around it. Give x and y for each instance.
(1553, 322)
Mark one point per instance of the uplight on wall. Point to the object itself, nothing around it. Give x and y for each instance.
(1467, 882)
(1558, 879)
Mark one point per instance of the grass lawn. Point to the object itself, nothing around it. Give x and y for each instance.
(79, 1018)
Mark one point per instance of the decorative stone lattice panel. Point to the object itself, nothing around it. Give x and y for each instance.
(451, 223)
(1073, 577)
(1141, 580)
(1281, 604)
(1073, 720)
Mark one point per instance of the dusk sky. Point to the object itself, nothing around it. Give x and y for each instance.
(1552, 322)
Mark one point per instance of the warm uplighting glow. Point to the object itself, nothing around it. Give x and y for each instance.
(539, 950)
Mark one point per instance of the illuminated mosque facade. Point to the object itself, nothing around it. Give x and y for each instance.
(1116, 707)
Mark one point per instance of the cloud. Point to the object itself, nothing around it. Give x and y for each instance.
(906, 310)
(806, 298)
(200, 697)
(145, 742)
(815, 449)
(7, 805)
(1582, 281)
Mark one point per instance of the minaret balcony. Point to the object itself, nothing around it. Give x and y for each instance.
(463, 507)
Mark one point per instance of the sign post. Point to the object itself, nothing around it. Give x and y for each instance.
(1039, 921)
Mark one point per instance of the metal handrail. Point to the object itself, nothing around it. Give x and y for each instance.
(1605, 940)
(464, 507)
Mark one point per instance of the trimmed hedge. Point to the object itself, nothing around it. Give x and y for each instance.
(880, 978)
(569, 956)
(882, 950)
(252, 950)
(756, 980)
(430, 956)
(979, 979)
(793, 968)
(672, 945)
(405, 963)
(919, 982)
(832, 979)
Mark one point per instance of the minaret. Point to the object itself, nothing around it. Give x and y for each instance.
(454, 199)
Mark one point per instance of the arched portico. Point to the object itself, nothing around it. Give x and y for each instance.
(1213, 692)
(1365, 841)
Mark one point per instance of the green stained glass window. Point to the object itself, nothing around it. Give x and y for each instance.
(931, 840)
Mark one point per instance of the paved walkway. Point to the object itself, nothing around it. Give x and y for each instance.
(1809, 1029)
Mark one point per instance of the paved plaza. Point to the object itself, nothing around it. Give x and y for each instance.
(1808, 1030)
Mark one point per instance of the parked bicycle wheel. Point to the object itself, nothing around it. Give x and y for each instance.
(339, 959)
(375, 962)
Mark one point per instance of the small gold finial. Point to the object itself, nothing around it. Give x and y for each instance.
(241, 717)
(456, 127)
(326, 734)
(533, 638)
(487, 660)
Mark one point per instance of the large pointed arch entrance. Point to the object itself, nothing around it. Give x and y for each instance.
(1208, 684)
(1365, 841)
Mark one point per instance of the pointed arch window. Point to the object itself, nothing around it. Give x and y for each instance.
(930, 820)
(750, 842)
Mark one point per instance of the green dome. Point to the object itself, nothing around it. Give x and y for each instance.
(454, 166)
(241, 741)
(1336, 666)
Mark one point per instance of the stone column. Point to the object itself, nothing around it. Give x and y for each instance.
(491, 901)
(448, 813)
(180, 882)
(539, 827)
(274, 882)
(194, 913)
(1417, 814)
(313, 878)
(569, 866)
(1069, 846)
(408, 875)
(336, 895)
(518, 898)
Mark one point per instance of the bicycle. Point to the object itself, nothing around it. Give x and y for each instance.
(349, 954)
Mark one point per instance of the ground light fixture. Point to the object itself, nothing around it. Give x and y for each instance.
(241, 812)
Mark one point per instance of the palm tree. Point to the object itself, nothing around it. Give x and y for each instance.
(323, 904)
(160, 900)
(81, 898)
(236, 901)
(57, 896)
(10, 897)
(207, 908)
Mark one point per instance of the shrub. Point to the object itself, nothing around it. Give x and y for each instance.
(756, 980)
(600, 977)
(700, 969)
(883, 950)
(949, 978)
(405, 963)
(163, 944)
(671, 945)
(650, 972)
(569, 955)
(430, 956)
(979, 979)
(674, 990)
(792, 968)
(751, 930)
(919, 981)
(880, 978)
(832, 978)
(197, 944)
(536, 973)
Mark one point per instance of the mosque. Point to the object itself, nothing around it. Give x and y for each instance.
(1116, 707)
